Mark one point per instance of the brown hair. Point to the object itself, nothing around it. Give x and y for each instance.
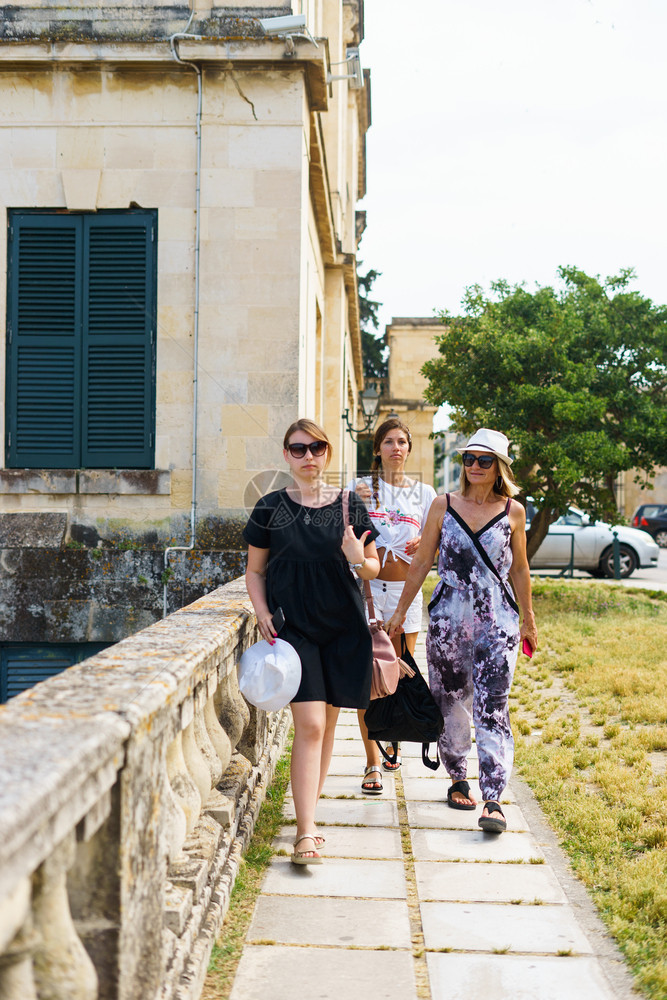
(390, 424)
(507, 486)
(308, 427)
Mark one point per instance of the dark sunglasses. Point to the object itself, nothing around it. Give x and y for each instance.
(316, 448)
(484, 461)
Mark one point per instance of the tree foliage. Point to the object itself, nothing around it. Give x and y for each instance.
(574, 375)
(373, 347)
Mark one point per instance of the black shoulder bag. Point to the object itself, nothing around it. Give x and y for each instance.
(409, 715)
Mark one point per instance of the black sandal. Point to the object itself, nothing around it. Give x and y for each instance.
(463, 788)
(493, 824)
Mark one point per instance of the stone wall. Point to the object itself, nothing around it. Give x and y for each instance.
(130, 786)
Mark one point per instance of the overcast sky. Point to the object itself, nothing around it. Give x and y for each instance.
(509, 137)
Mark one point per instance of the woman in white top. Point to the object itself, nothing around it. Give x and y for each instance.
(398, 507)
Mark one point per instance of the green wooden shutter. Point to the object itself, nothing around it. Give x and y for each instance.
(81, 340)
(118, 341)
(22, 666)
(44, 363)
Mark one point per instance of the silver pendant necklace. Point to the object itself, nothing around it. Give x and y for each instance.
(306, 517)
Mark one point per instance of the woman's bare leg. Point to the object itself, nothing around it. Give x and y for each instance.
(310, 725)
(327, 744)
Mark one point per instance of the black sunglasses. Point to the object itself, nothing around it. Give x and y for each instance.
(316, 448)
(484, 461)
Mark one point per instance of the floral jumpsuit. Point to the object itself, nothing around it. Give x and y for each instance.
(471, 647)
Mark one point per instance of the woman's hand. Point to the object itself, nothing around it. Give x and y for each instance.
(412, 545)
(395, 624)
(529, 631)
(265, 626)
(364, 491)
(353, 547)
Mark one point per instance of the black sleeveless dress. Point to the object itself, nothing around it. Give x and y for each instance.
(309, 578)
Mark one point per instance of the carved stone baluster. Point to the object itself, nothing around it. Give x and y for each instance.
(17, 942)
(63, 969)
(184, 789)
(217, 734)
(194, 761)
(204, 744)
(232, 708)
(175, 821)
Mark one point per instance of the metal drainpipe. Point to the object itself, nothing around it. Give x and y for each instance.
(195, 377)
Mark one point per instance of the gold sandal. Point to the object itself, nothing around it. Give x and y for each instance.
(306, 857)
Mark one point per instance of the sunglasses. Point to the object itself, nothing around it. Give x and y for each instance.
(484, 461)
(316, 449)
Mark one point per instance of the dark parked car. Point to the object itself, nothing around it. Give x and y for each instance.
(652, 517)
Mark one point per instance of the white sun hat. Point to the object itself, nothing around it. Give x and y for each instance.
(485, 439)
(269, 675)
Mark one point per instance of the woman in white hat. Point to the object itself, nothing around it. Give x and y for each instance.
(476, 624)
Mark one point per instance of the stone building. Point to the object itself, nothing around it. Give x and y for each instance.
(411, 344)
(180, 192)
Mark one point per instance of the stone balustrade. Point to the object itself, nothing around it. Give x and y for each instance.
(129, 788)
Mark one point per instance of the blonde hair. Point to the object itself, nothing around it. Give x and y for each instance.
(390, 424)
(507, 487)
(308, 427)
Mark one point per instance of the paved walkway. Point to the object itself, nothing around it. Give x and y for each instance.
(413, 900)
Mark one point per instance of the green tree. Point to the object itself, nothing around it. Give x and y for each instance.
(373, 346)
(574, 375)
(373, 351)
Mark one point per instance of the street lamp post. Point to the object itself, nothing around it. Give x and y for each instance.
(370, 403)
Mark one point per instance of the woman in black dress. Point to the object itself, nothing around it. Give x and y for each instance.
(300, 559)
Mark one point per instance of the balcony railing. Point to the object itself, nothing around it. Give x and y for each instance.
(129, 787)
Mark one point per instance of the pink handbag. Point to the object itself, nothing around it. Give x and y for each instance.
(386, 665)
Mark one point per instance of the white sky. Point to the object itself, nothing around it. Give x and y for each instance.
(509, 137)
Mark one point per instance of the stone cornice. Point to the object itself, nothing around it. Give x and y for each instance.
(260, 53)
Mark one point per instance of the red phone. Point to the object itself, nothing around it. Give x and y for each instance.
(526, 648)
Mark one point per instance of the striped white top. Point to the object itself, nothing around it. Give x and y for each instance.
(398, 513)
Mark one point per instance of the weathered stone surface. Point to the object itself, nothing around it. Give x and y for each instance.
(153, 482)
(37, 481)
(235, 779)
(99, 595)
(39, 531)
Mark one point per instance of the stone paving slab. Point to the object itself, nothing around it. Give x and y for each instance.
(337, 877)
(516, 977)
(439, 816)
(413, 768)
(365, 811)
(429, 787)
(475, 882)
(348, 746)
(350, 841)
(349, 786)
(346, 764)
(464, 845)
(494, 926)
(288, 973)
(362, 923)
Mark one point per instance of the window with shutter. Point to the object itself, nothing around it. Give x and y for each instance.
(22, 666)
(81, 340)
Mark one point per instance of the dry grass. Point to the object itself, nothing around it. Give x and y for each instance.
(590, 711)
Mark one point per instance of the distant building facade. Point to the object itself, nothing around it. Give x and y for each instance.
(180, 195)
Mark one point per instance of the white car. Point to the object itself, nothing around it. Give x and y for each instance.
(589, 545)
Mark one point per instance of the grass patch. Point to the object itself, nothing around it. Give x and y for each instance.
(428, 586)
(227, 951)
(590, 713)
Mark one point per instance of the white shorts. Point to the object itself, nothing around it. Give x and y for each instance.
(386, 595)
